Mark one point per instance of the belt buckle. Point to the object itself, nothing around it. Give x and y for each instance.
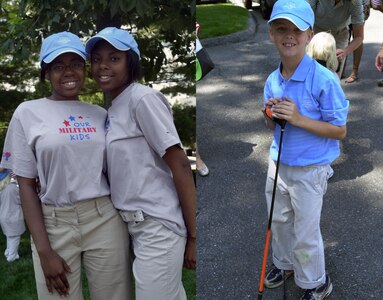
(138, 216)
(129, 216)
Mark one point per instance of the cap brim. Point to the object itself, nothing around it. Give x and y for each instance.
(301, 25)
(52, 56)
(115, 43)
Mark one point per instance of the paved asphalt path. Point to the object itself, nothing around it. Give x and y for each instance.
(234, 142)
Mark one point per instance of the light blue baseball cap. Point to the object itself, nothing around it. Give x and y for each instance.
(119, 38)
(60, 43)
(298, 12)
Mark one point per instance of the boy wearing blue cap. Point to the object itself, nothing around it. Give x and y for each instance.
(309, 97)
(72, 221)
(150, 176)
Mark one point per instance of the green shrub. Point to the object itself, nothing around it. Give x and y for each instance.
(185, 122)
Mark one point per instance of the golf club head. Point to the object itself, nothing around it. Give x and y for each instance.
(269, 113)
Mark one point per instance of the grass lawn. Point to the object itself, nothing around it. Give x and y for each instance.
(221, 19)
(17, 279)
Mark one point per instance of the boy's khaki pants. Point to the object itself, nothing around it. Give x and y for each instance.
(296, 237)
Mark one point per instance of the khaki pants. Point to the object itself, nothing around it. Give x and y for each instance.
(296, 237)
(91, 235)
(159, 255)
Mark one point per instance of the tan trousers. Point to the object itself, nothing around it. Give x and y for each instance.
(90, 235)
(296, 237)
(159, 255)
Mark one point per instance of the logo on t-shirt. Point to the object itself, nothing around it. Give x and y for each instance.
(78, 128)
(6, 155)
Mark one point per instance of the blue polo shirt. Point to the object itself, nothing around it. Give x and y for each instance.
(318, 95)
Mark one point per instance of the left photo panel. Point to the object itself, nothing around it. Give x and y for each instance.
(98, 162)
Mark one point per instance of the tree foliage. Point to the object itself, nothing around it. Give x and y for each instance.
(164, 31)
(185, 121)
(156, 25)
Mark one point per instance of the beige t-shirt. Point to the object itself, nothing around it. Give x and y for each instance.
(62, 143)
(329, 16)
(139, 131)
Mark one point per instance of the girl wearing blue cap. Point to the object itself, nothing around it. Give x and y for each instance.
(150, 175)
(309, 97)
(73, 223)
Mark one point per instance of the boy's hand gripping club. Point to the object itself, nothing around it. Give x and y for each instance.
(269, 113)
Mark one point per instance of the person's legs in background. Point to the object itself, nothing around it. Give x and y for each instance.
(11, 253)
(202, 169)
(357, 57)
(378, 5)
(358, 52)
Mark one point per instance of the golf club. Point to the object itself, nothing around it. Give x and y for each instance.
(282, 124)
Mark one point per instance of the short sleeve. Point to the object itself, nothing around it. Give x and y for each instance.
(333, 104)
(17, 154)
(357, 15)
(155, 119)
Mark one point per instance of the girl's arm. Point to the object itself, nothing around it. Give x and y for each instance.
(179, 164)
(54, 267)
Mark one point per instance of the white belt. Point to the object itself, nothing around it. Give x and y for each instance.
(128, 216)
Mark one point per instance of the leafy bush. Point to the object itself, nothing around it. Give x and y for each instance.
(185, 122)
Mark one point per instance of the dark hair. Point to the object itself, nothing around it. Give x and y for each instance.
(133, 65)
(44, 68)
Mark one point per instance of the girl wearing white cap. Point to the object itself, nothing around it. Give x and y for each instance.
(150, 175)
(72, 221)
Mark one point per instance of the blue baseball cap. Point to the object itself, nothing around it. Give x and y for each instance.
(298, 12)
(60, 43)
(119, 38)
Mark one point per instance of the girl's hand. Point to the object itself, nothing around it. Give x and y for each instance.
(55, 268)
(190, 253)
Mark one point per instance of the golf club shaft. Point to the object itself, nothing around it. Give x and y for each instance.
(268, 234)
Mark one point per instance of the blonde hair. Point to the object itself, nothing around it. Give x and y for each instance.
(323, 47)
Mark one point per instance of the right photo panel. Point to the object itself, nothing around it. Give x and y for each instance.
(289, 154)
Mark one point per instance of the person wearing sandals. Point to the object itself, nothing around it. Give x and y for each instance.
(309, 97)
(150, 175)
(379, 63)
(72, 220)
(358, 52)
(377, 5)
(335, 16)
